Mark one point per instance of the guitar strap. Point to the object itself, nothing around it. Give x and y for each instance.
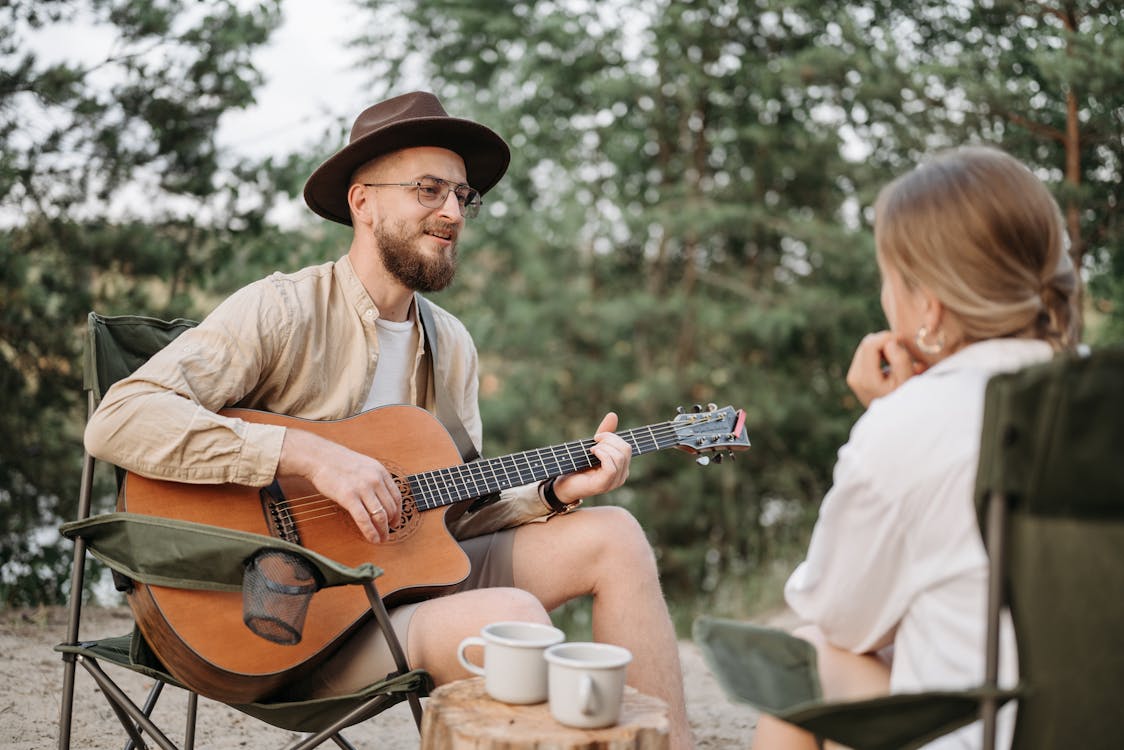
(446, 414)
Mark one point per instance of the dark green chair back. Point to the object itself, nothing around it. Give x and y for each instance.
(117, 345)
(1050, 499)
(1053, 454)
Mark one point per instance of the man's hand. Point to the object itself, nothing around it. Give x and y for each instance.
(613, 453)
(357, 483)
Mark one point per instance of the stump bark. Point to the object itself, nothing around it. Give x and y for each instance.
(461, 716)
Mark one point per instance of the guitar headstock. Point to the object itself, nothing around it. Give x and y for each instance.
(709, 429)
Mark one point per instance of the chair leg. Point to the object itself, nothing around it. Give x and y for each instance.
(77, 578)
(383, 619)
(149, 705)
(341, 741)
(996, 538)
(66, 710)
(363, 712)
(192, 711)
(416, 709)
(125, 709)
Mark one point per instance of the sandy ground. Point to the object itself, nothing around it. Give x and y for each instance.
(31, 686)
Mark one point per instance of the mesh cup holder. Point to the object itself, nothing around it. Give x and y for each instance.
(276, 588)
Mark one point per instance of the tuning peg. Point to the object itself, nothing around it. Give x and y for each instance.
(697, 408)
(731, 455)
(718, 458)
(679, 410)
(702, 460)
(712, 407)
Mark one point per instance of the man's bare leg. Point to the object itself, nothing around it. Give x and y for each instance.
(603, 551)
(439, 625)
(598, 551)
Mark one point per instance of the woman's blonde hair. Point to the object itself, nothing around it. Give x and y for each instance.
(984, 235)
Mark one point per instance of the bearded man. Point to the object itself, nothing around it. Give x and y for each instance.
(334, 340)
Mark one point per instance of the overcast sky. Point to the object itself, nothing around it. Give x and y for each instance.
(311, 81)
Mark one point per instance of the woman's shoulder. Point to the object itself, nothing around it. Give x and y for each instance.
(941, 409)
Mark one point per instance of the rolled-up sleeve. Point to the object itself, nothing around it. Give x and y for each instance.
(161, 421)
(850, 583)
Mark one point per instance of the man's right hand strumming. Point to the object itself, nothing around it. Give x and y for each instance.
(357, 483)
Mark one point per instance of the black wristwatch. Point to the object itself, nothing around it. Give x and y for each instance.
(557, 507)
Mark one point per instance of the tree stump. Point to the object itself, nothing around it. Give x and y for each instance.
(461, 716)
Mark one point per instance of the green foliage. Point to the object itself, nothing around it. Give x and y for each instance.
(685, 219)
(680, 225)
(115, 198)
(1041, 80)
(671, 232)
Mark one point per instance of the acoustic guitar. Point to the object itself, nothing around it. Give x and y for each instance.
(200, 636)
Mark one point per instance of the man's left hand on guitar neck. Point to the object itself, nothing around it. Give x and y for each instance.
(615, 456)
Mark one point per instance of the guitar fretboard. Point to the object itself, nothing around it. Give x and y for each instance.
(433, 489)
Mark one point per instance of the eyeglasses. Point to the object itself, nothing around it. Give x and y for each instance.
(433, 192)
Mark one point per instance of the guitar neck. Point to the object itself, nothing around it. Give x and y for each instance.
(433, 489)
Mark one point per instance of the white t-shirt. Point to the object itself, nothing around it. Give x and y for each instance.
(896, 555)
(398, 341)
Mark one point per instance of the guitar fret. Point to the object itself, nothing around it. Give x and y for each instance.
(436, 488)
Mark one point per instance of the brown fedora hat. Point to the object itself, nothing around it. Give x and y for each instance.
(415, 119)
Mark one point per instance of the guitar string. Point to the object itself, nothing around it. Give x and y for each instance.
(313, 506)
(316, 501)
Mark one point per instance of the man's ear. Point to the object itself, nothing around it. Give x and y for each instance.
(360, 205)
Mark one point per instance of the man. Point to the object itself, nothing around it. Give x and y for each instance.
(333, 340)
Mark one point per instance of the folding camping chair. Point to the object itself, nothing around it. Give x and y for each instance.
(115, 346)
(1050, 501)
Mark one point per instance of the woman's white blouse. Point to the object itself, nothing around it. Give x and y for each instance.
(896, 555)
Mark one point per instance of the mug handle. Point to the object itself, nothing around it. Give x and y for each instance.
(587, 695)
(472, 640)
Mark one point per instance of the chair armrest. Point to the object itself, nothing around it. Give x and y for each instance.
(895, 722)
(776, 672)
(764, 667)
(187, 555)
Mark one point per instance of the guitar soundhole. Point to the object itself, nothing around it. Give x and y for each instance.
(409, 521)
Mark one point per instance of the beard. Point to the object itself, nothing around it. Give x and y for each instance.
(407, 264)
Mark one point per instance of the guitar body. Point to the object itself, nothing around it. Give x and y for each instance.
(200, 636)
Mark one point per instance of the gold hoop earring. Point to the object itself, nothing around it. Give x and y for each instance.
(929, 347)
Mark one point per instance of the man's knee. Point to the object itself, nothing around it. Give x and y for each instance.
(621, 534)
(510, 603)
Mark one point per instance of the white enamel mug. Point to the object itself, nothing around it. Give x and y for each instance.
(514, 670)
(586, 683)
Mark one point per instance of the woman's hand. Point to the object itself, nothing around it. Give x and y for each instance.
(881, 363)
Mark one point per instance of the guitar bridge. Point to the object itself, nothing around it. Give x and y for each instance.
(278, 514)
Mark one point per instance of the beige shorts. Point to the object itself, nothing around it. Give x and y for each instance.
(365, 657)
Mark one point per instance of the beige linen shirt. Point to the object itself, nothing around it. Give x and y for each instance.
(303, 344)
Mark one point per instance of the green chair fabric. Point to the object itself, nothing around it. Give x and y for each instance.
(299, 715)
(1050, 501)
(205, 557)
(1052, 449)
(118, 345)
(776, 673)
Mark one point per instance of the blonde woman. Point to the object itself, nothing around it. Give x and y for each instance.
(976, 280)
